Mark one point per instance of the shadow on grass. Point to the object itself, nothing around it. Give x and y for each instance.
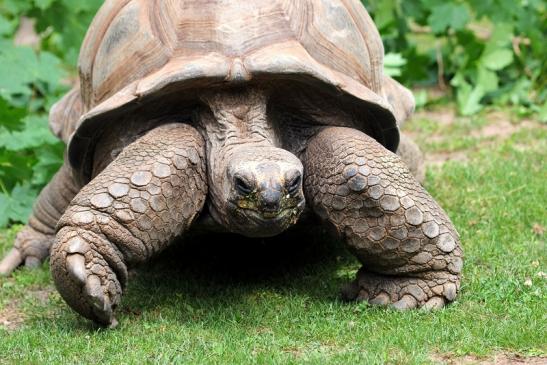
(209, 264)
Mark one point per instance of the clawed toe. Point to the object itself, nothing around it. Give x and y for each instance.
(10, 262)
(93, 291)
(100, 294)
(434, 303)
(405, 303)
(99, 301)
(75, 265)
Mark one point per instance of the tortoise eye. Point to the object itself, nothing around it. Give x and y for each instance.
(294, 184)
(242, 186)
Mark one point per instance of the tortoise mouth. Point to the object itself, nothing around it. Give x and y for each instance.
(270, 217)
(255, 223)
(266, 216)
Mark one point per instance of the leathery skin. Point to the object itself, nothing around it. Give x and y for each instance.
(132, 210)
(409, 249)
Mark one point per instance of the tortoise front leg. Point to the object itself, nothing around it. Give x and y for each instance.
(409, 249)
(133, 209)
(33, 242)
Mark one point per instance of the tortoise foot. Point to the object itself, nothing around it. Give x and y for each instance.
(31, 248)
(432, 290)
(89, 273)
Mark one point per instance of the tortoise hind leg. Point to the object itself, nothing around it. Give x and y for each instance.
(413, 157)
(408, 247)
(133, 209)
(33, 242)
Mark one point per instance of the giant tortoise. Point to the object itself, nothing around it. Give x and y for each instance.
(236, 116)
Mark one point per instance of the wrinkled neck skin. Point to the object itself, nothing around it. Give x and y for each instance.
(241, 141)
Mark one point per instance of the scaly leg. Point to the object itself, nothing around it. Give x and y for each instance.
(409, 249)
(33, 242)
(133, 209)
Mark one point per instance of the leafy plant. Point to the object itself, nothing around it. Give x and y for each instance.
(31, 80)
(486, 51)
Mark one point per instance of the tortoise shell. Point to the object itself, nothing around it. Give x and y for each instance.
(136, 51)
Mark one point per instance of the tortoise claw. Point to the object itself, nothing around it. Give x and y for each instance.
(95, 293)
(100, 303)
(32, 262)
(434, 303)
(405, 303)
(75, 265)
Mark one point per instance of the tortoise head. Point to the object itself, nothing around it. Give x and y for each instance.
(255, 186)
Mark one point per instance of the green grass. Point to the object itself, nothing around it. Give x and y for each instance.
(276, 302)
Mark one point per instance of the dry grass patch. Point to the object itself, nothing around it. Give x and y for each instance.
(497, 359)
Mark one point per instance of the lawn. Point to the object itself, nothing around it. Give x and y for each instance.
(217, 301)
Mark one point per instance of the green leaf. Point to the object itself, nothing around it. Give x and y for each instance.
(6, 26)
(468, 97)
(34, 134)
(43, 4)
(48, 69)
(22, 68)
(89, 6)
(469, 101)
(16, 72)
(4, 205)
(393, 63)
(15, 167)
(448, 15)
(15, 7)
(421, 98)
(10, 116)
(501, 37)
(50, 159)
(543, 113)
(488, 80)
(497, 59)
(17, 206)
(384, 14)
(394, 60)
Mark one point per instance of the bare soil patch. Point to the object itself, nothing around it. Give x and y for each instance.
(498, 128)
(439, 158)
(497, 359)
(11, 317)
(444, 116)
(41, 294)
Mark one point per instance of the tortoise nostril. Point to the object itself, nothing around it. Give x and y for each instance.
(270, 200)
(243, 185)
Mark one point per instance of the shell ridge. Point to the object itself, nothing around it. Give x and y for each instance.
(86, 80)
(159, 25)
(375, 64)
